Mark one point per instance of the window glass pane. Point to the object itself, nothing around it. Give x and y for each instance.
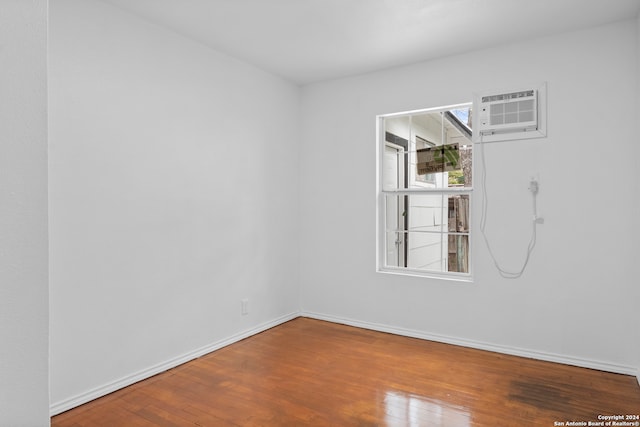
(394, 165)
(425, 251)
(427, 231)
(396, 153)
(426, 130)
(395, 227)
(458, 213)
(428, 150)
(395, 249)
(458, 253)
(426, 212)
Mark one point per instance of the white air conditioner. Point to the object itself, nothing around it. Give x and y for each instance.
(510, 114)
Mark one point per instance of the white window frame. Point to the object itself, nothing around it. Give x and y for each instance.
(381, 193)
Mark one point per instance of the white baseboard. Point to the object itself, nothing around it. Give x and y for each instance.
(514, 351)
(65, 405)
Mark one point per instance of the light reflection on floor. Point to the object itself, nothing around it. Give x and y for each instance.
(409, 410)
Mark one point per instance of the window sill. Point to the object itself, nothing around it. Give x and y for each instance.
(452, 277)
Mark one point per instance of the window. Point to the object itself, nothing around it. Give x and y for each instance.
(425, 163)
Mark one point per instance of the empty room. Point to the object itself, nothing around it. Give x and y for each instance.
(324, 213)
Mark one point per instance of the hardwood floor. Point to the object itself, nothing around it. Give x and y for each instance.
(312, 373)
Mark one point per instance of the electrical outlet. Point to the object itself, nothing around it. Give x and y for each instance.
(244, 306)
(534, 183)
(534, 176)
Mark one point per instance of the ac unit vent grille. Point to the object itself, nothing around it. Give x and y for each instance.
(512, 112)
(508, 96)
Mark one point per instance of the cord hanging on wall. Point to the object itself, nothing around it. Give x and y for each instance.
(534, 187)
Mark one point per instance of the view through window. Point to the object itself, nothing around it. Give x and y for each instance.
(425, 187)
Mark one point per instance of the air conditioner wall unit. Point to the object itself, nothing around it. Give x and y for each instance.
(502, 115)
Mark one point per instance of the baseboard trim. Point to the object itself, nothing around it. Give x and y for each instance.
(514, 351)
(67, 404)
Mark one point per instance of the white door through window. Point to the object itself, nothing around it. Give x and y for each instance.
(393, 178)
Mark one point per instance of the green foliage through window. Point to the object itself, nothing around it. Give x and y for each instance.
(456, 177)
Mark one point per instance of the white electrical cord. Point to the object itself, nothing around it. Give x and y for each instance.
(533, 187)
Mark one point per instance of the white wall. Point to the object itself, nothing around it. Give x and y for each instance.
(173, 195)
(24, 380)
(577, 297)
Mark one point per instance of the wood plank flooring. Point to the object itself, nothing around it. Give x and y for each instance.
(313, 373)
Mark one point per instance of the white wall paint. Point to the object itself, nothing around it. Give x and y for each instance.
(173, 195)
(24, 380)
(577, 296)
